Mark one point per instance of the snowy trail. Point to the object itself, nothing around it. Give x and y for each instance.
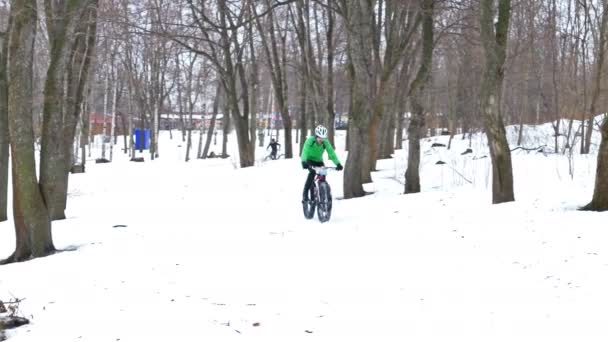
(214, 253)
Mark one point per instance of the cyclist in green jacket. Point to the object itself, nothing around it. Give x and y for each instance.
(312, 155)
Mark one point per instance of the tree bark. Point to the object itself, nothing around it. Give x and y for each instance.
(360, 39)
(59, 124)
(599, 202)
(32, 222)
(254, 84)
(554, 71)
(77, 78)
(304, 77)
(114, 103)
(4, 141)
(216, 101)
(329, 90)
(226, 129)
(416, 92)
(601, 51)
(495, 46)
(61, 25)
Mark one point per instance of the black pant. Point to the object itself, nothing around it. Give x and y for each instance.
(310, 179)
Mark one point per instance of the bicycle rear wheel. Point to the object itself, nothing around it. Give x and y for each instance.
(309, 207)
(324, 205)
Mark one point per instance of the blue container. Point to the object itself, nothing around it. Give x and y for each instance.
(142, 139)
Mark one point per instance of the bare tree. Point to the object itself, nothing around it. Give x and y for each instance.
(276, 59)
(71, 26)
(599, 202)
(360, 38)
(495, 46)
(222, 30)
(4, 141)
(317, 88)
(234, 80)
(412, 173)
(216, 101)
(32, 223)
(599, 68)
(193, 90)
(370, 70)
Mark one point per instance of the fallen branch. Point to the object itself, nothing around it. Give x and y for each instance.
(539, 148)
(11, 322)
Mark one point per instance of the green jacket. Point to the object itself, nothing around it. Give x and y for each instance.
(314, 152)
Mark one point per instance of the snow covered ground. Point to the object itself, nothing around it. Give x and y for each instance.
(204, 251)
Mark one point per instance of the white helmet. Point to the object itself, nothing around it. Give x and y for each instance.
(321, 132)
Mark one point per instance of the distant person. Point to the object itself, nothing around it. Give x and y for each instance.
(312, 155)
(274, 146)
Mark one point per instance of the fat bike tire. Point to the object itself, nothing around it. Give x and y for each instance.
(324, 205)
(309, 206)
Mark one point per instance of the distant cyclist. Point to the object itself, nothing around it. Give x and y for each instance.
(312, 155)
(274, 146)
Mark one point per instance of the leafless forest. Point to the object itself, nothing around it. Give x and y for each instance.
(396, 71)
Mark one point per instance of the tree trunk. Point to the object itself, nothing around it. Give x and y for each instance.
(495, 46)
(191, 102)
(400, 119)
(236, 94)
(113, 122)
(329, 90)
(32, 222)
(77, 76)
(104, 127)
(412, 173)
(360, 37)
(85, 120)
(353, 186)
(201, 128)
(389, 138)
(599, 202)
(62, 22)
(277, 73)
(254, 84)
(556, 93)
(216, 101)
(303, 99)
(4, 141)
(303, 83)
(226, 130)
(601, 51)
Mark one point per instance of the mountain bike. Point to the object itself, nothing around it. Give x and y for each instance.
(320, 196)
(273, 156)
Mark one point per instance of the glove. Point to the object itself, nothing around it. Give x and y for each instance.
(304, 165)
(339, 167)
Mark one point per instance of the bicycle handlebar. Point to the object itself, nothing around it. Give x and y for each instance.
(320, 169)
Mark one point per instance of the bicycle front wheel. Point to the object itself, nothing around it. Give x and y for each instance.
(309, 206)
(324, 202)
